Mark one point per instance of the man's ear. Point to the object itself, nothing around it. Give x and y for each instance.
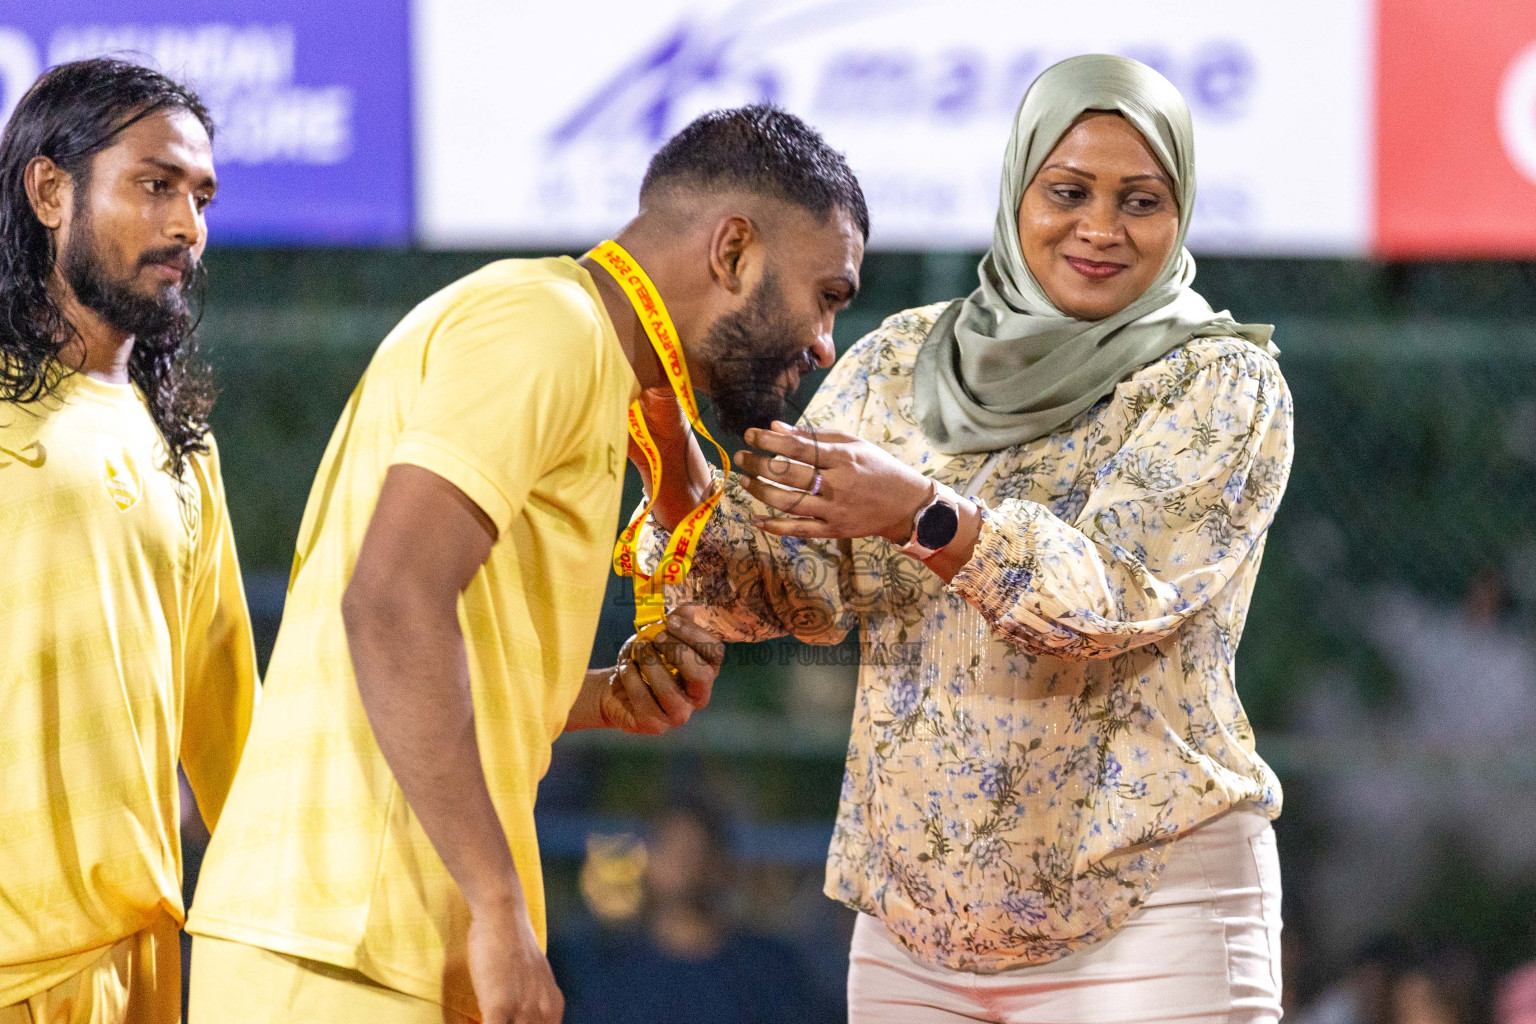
(730, 239)
(50, 190)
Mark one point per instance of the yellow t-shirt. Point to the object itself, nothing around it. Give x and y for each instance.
(511, 385)
(125, 645)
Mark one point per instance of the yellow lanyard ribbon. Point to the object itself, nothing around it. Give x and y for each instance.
(677, 559)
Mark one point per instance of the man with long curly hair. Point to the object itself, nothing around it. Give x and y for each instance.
(125, 644)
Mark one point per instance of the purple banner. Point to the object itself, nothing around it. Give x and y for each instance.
(311, 100)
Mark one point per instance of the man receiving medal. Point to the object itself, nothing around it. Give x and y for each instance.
(376, 859)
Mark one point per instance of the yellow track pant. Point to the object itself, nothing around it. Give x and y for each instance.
(233, 983)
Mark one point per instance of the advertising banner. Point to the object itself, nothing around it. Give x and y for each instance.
(1456, 135)
(1403, 128)
(311, 100)
(535, 121)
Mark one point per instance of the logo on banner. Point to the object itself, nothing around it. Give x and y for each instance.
(1517, 112)
(245, 74)
(693, 68)
(309, 98)
(703, 64)
(842, 66)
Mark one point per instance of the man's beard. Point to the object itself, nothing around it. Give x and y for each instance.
(149, 318)
(749, 350)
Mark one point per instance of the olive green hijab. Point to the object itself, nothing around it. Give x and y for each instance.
(1004, 366)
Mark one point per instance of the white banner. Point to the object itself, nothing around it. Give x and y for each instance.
(534, 121)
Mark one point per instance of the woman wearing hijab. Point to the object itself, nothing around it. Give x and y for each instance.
(1045, 506)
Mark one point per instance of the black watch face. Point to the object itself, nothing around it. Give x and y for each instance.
(937, 526)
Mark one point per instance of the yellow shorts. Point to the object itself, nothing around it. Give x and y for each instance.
(136, 980)
(233, 983)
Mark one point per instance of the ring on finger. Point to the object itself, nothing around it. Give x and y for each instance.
(815, 485)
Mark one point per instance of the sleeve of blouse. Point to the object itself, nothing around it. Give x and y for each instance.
(747, 585)
(1168, 522)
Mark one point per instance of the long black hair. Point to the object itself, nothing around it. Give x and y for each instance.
(69, 115)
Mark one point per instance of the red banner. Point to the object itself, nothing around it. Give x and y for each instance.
(1456, 128)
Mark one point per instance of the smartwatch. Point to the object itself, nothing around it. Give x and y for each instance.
(935, 524)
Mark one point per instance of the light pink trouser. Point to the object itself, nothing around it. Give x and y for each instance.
(1205, 947)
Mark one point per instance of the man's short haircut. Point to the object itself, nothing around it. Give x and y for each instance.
(759, 149)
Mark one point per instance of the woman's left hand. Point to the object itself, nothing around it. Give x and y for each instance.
(831, 484)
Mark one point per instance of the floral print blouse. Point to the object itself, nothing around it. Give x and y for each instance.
(1027, 738)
